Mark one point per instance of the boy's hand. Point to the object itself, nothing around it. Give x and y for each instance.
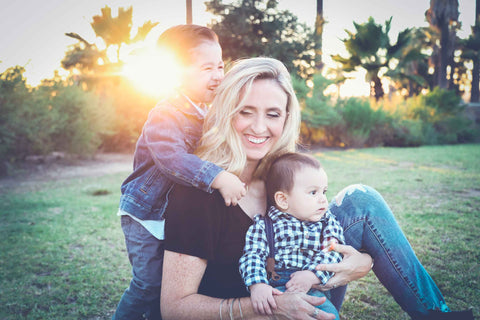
(301, 281)
(230, 186)
(261, 295)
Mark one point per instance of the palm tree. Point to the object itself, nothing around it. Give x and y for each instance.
(370, 49)
(443, 16)
(116, 30)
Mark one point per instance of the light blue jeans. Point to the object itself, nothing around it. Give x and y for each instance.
(327, 306)
(141, 300)
(369, 226)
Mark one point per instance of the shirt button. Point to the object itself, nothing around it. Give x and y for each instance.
(306, 234)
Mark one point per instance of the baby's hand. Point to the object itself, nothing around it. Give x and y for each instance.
(261, 295)
(230, 186)
(301, 281)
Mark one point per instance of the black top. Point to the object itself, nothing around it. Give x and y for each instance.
(199, 224)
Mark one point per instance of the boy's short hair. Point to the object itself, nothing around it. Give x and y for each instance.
(281, 174)
(182, 38)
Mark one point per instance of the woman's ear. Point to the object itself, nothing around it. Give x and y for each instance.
(281, 200)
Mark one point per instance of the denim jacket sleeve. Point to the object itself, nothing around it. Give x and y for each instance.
(171, 137)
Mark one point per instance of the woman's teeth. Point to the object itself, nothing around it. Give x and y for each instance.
(257, 140)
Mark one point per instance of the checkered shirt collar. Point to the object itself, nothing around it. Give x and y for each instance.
(277, 215)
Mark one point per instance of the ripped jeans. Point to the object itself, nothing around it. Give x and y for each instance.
(369, 226)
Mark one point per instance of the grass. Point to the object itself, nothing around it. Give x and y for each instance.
(63, 254)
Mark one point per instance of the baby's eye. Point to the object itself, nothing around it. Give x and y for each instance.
(313, 192)
(325, 191)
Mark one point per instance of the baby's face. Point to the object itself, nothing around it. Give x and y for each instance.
(307, 201)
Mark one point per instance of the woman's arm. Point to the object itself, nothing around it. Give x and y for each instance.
(180, 299)
(355, 265)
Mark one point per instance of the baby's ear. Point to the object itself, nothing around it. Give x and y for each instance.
(281, 200)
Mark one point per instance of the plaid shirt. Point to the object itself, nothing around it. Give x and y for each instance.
(298, 245)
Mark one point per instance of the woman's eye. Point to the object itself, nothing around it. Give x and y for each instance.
(273, 115)
(245, 112)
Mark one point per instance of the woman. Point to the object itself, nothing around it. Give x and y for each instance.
(255, 117)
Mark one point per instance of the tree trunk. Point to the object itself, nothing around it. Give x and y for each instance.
(378, 88)
(319, 21)
(475, 94)
(189, 11)
(444, 42)
(475, 91)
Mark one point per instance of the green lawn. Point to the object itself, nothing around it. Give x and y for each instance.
(63, 254)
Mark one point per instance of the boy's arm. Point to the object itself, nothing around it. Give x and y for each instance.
(165, 138)
(252, 263)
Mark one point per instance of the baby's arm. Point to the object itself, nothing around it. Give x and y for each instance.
(261, 295)
(230, 187)
(302, 281)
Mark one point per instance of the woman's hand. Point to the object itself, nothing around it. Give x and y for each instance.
(355, 265)
(294, 305)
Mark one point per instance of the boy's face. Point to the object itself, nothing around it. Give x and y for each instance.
(202, 77)
(307, 201)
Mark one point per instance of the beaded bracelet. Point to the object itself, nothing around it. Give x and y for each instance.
(231, 309)
(221, 303)
(240, 309)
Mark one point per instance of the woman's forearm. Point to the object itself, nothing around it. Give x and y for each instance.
(180, 299)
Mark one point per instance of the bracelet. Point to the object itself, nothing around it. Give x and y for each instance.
(231, 309)
(221, 303)
(240, 308)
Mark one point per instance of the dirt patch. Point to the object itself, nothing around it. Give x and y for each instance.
(67, 168)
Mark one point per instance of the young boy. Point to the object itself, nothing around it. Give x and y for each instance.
(163, 156)
(304, 232)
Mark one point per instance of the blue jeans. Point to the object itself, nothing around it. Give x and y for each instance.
(369, 226)
(327, 306)
(141, 300)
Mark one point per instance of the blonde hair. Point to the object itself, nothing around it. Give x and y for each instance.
(220, 143)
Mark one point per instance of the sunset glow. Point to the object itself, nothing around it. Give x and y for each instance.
(153, 71)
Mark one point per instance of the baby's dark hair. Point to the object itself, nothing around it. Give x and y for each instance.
(182, 38)
(281, 174)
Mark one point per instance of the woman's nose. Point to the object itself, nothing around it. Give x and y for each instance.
(258, 125)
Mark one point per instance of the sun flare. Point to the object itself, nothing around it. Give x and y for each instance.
(155, 72)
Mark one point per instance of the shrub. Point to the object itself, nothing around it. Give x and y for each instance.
(317, 112)
(130, 111)
(54, 116)
(361, 125)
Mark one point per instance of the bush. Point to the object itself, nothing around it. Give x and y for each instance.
(317, 112)
(13, 95)
(52, 117)
(130, 111)
(361, 125)
(76, 120)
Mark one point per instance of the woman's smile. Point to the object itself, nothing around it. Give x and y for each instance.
(261, 118)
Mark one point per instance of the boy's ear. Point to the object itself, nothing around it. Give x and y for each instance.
(281, 200)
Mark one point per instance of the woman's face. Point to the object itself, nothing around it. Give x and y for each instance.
(261, 118)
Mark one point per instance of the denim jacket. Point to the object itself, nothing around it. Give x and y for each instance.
(163, 156)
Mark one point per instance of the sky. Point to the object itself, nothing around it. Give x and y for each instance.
(33, 31)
